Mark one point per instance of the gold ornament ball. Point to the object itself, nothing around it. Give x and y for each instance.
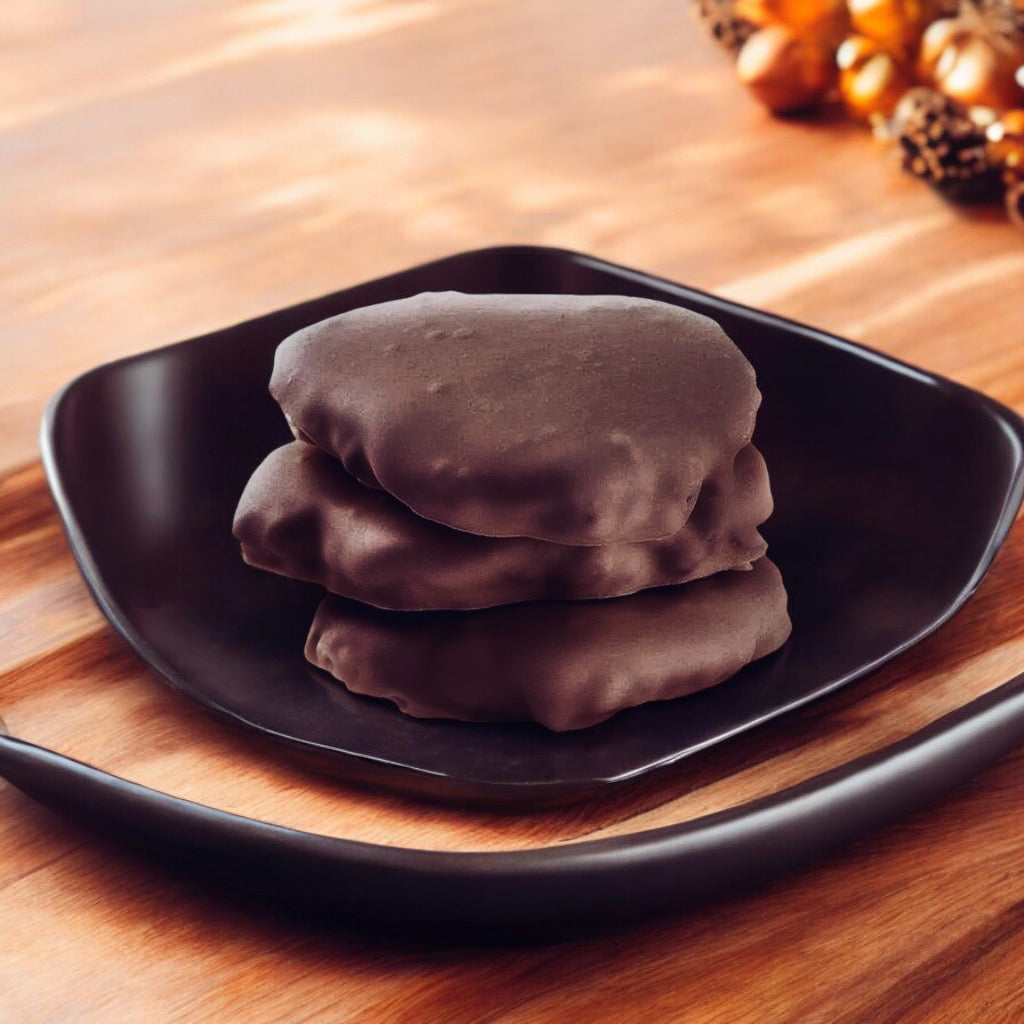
(897, 24)
(980, 73)
(855, 51)
(871, 84)
(1005, 144)
(938, 37)
(825, 20)
(785, 71)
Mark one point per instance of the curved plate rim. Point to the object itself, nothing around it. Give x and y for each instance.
(417, 779)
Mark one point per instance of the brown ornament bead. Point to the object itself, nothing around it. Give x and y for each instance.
(785, 71)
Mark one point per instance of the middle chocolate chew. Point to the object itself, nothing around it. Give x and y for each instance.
(303, 516)
(565, 664)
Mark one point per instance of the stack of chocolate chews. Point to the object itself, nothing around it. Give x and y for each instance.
(522, 508)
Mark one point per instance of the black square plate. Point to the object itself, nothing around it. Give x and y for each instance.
(894, 488)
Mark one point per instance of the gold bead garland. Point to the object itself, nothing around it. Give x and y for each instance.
(941, 80)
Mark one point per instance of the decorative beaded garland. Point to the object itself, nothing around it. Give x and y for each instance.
(941, 81)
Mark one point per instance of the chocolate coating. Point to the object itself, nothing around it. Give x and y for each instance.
(569, 418)
(303, 516)
(567, 665)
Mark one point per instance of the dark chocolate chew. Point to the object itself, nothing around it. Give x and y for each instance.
(569, 418)
(568, 664)
(301, 515)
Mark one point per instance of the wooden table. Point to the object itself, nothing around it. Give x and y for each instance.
(171, 168)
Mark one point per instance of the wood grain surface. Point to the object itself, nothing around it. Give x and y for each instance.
(168, 168)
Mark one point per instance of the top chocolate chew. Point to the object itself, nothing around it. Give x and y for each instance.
(570, 418)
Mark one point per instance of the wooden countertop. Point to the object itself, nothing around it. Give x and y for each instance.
(171, 168)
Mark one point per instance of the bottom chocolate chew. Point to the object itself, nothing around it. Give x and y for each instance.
(566, 665)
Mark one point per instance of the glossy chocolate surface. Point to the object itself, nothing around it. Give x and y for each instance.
(579, 419)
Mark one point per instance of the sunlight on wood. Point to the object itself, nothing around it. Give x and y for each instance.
(174, 166)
